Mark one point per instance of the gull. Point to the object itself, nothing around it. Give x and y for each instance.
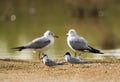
(79, 44)
(50, 62)
(40, 44)
(73, 60)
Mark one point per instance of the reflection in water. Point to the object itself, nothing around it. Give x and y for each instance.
(109, 54)
(30, 19)
(23, 55)
(4, 53)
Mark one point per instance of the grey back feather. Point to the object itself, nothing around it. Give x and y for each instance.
(50, 62)
(39, 43)
(79, 44)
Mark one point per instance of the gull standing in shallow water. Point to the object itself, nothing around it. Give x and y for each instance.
(50, 62)
(73, 60)
(40, 44)
(79, 44)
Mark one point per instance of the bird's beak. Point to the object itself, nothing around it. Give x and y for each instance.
(67, 34)
(41, 58)
(56, 36)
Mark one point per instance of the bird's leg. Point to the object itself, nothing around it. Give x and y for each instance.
(75, 54)
(72, 65)
(39, 55)
(79, 55)
(42, 53)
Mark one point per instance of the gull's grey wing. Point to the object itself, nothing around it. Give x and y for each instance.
(50, 62)
(38, 43)
(79, 43)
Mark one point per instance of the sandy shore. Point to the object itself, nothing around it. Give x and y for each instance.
(107, 70)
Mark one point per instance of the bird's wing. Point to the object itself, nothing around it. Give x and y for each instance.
(93, 50)
(74, 60)
(49, 62)
(79, 43)
(38, 43)
(77, 61)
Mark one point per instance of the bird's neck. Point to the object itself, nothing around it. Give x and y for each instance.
(72, 35)
(67, 57)
(44, 59)
(48, 36)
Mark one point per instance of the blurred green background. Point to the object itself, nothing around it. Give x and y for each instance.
(23, 20)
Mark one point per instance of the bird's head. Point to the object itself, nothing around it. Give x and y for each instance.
(49, 33)
(44, 56)
(67, 53)
(71, 32)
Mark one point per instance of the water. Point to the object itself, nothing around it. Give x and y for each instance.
(25, 22)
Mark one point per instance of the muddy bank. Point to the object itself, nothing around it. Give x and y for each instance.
(35, 71)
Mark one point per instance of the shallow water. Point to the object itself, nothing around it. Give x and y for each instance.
(30, 22)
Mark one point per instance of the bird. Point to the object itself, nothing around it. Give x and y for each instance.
(79, 44)
(49, 62)
(72, 60)
(40, 44)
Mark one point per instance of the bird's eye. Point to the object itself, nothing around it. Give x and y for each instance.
(50, 33)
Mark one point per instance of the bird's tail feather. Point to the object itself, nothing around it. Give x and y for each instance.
(61, 63)
(83, 62)
(19, 48)
(93, 50)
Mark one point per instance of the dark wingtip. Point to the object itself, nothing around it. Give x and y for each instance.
(62, 63)
(93, 50)
(19, 48)
(101, 53)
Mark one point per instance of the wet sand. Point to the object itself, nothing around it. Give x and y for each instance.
(106, 70)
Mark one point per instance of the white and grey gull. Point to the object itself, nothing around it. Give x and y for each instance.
(40, 44)
(79, 44)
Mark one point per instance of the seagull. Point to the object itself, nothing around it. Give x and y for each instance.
(73, 60)
(40, 44)
(50, 62)
(79, 44)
